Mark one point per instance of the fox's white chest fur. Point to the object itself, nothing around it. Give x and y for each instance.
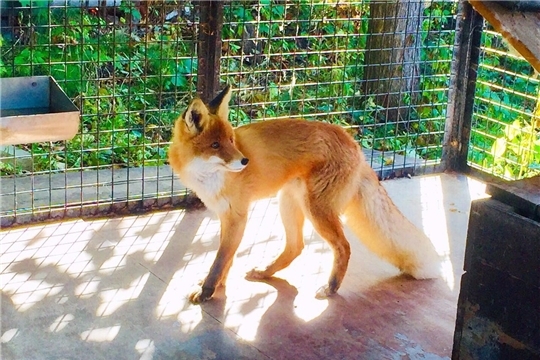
(207, 179)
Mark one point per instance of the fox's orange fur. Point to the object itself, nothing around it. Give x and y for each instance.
(320, 173)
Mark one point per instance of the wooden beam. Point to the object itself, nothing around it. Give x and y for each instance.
(520, 28)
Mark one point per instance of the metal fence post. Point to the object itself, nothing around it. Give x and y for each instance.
(462, 88)
(209, 48)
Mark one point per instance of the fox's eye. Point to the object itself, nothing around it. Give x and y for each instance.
(231, 140)
(215, 145)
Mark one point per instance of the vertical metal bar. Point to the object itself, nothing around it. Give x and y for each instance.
(462, 88)
(209, 48)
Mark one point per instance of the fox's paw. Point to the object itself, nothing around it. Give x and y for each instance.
(324, 292)
(219, 284)
(257, 274)
(200, 295)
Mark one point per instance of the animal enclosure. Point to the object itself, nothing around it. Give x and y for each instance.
(383, 70)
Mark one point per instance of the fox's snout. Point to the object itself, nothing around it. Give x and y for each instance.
(238, 165)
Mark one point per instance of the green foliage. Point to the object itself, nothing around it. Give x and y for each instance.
(516, 154)
(119, 77)
(305, 58)
(295, 58)
(8, 169)
(504, 137)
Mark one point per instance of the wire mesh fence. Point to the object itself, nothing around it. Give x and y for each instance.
(380, 69)
(505, 136)
(127, 70)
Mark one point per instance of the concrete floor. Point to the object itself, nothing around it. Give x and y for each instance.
(116, 288)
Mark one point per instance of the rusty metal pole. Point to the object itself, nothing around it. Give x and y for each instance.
(209, 48)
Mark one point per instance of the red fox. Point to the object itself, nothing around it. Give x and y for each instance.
(320, 174)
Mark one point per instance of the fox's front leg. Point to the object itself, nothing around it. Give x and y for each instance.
(232, 231)
(292, 217)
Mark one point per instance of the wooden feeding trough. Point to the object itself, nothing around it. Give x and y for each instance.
(35, 109)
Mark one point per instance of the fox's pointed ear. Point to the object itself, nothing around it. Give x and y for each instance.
(195, 116)
(220, 104)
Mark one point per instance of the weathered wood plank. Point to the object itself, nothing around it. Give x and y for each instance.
(498, 313)
(500, 238)
(497, 317)
(523, 195)
(521, 29)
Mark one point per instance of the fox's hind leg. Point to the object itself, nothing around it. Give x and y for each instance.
(292, 217)
(329, 227)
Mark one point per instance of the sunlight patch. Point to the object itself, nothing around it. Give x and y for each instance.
(30, 293)
(156, 246)
(173, 300)
(308, 308)
(61, 322)
(113, 263)
(189, 318)
(244, 315)
(101, 334)
(477, 190)
(208, 231)
(146, 348)
(114, 298)
(87, 289)
(71, 263)
(8, 335)
(434, 224)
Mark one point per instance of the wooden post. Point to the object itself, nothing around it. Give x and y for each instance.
(462, 88)
(209, 48)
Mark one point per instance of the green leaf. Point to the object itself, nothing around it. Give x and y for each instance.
(136, 15)
(179, 80)
(509, 172)
(513, 130)
(187, 66)
(278, 11)
(499, 147)
(273, 91)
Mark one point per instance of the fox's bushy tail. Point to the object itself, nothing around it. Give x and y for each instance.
(379, 224)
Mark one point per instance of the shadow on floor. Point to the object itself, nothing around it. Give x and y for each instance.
(116, 288)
